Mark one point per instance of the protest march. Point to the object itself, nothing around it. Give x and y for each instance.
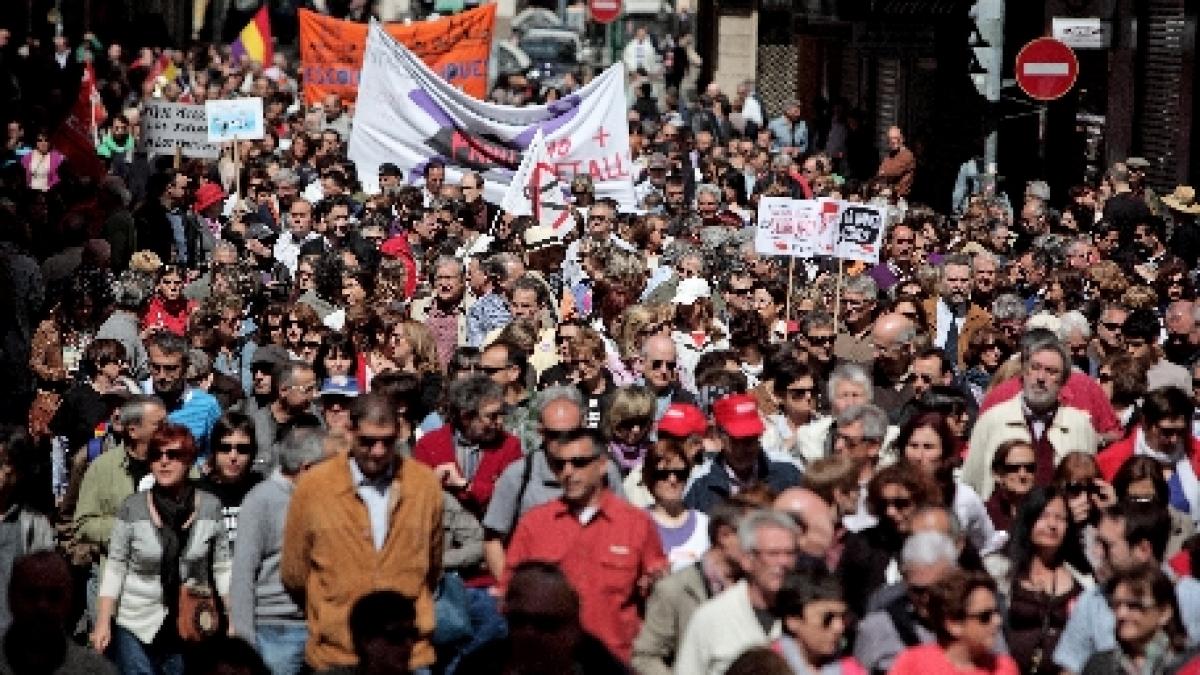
(355, 336)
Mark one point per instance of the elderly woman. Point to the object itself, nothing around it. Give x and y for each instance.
(626, 423)
(965, 614)
(166, 541)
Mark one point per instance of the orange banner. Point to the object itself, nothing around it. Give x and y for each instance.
(456, 47)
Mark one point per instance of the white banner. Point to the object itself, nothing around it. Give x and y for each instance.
(860, 232)
(407, 115)
(166, 126)
(536, 190)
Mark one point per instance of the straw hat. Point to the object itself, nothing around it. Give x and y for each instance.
(1183, 200)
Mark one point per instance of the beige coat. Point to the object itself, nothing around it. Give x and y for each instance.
(1071, 430)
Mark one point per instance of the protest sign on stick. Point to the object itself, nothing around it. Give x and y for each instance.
(177, 128)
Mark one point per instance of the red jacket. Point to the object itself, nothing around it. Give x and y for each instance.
(437, 448)
(1111, 458)
(1080, 391)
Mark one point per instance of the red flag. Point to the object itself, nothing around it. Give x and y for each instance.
(74, 136)
(98, 112)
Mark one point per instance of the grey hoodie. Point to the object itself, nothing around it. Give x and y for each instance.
(256, 593)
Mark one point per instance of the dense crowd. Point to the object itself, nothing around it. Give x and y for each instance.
(259, 421)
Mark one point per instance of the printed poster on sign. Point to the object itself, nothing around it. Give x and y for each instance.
(826, 237)
(234, 119)
(777, 231)
(166, 126)
(860, 232)
(409, 116)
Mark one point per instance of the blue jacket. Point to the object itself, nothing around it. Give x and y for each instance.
(710, 485)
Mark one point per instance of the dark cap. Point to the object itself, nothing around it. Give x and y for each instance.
(389, 169)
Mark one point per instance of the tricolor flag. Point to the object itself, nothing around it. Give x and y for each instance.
(254, 42)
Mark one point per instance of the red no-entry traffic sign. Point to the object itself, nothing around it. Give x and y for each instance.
(1046, 69)
(604, 11)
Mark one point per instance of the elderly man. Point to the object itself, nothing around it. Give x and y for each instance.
(814, 520)
(660, 372)
(1109, 339)
(295, 391)
(299, 232)
(445, 312)
(853, 343)
(1180, 321)
(984, 275)
(261, 611)
(849, 385)
(894, 336)
(899, 165)
(364, 520)
(733, 621)
(927, 557)
(1035, 416)
(742, 463)
(953, 314)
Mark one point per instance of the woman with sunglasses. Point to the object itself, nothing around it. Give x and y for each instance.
(986, 350)
(229, 477)
(796, 397)
(42, 163)
(169, 310)
(1140, 480)
(927, 443)
(627, 421)
(1043, 571)
(683, 531)
(164, 538)
(1014, 466)
(964, 612)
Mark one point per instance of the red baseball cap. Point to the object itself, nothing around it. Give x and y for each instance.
(737, 416)
(683, 420)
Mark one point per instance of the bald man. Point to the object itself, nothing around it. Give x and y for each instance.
(898, 166)
(814, 518)
(894, 336)
(661, 370)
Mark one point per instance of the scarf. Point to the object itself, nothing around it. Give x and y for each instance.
(1141, 447)
(173, 513)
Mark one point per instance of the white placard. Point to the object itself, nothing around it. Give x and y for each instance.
(166, 126)
(234, 119)
(777, 233)
(1085, 33)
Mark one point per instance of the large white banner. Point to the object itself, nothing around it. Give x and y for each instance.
(408, 116)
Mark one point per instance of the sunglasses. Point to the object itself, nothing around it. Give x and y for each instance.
(1078, 487)
(657, 364)
(311, 344)
(1112, 326)
(239, 448)
(564, 339)
(680, 475)
(169, 454)
(562, 436)
(366, 441)
(1104, 377)
(492, 370)
(899, 503)
(801, 392)
(557, 464)
(820, 339)
(985, 616)
(1027, 467)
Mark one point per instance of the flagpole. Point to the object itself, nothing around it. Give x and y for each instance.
(791, 276)
(837, 295)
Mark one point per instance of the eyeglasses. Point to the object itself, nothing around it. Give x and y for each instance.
(898, 503)
(680, 475)
(597, 218)
(658, 364)
(564, 339)
(239, 448)
(365, 441)
(642, 422)
(1104, 377)
(739, 291)
(1014, 467)
(170, 454)
(1135, 343)
(311, 344)
(165, 367)
(1171, 432)
(825, 340)
(984, 616)
(304, 388)
(827, 618)
(1078, 487)
(1111, 326)
(557, 464)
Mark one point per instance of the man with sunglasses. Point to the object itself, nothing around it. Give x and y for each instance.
(363, 520)
(191, 407)
(660, 373)
(601, 227)
(1165, 434)
(1142, 330)
(608, 549)
(1109, 339)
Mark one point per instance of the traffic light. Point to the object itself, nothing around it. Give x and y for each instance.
(985, 43)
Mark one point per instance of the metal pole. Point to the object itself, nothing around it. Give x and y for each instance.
(1042, 137)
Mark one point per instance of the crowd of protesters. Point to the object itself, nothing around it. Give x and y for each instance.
(259, 421)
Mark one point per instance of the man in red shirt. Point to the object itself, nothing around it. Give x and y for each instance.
(609, 550)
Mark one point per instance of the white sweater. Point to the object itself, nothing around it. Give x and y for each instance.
(720, 630)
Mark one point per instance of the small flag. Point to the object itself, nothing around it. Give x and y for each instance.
(536, 190)
(254, 42)
(75, 136)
